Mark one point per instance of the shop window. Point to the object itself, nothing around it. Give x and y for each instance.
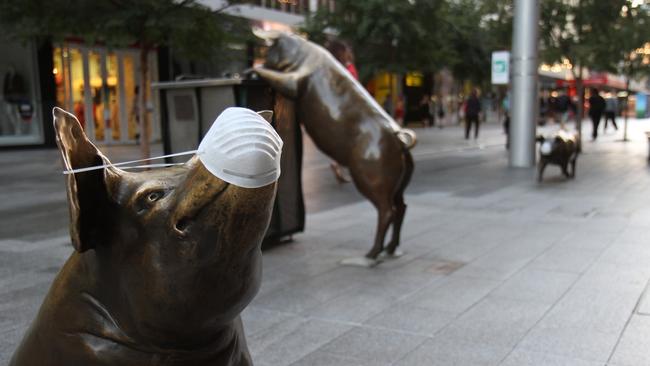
(20, 120)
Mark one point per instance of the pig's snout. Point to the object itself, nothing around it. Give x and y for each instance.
(196, 196)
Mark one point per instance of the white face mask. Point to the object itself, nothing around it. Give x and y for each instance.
(240, 148)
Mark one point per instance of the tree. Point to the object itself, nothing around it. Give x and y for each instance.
(628, 52)
(185, 25)
(577, 30)
(395, 36)
(475, 29)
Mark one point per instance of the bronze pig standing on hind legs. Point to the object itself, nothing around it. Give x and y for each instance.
(348, 125)
(165, 260)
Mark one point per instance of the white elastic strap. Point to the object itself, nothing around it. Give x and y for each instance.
(129, 162)
(162, 165)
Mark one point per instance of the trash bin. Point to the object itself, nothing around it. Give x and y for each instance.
(187, 110)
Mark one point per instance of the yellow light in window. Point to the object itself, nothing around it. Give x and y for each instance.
(55, 71)
(414, 79)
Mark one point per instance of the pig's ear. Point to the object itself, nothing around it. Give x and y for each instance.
(267, 115)
(87, 191)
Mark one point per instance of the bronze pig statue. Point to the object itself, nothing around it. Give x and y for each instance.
(560, 149)
(348, 125)
(165, 260)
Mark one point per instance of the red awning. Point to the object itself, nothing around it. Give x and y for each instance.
(598, 80)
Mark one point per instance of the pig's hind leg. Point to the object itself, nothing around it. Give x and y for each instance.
(573, 166)
(540, 169)
(400, 206)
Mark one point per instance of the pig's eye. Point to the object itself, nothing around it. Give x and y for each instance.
(155, 196)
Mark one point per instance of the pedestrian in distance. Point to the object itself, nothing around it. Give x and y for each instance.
(388, 104)
(424, 110)
(472, 113)
(505, 104)
(563, 106)
(441, 113)
(596, 109)
(611, 109)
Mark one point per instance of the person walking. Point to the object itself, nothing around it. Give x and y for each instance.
(424, 110)
(472, 112)
(506, 121)
(611, 108)
(563, 106)
(596, 109)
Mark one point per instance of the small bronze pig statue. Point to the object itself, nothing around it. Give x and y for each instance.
(560, 149)
(165, 260)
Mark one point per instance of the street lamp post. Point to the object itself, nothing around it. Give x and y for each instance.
(524, 83)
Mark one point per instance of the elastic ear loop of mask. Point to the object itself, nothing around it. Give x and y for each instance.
(122, 165)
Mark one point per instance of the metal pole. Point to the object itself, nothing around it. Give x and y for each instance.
(524, 83)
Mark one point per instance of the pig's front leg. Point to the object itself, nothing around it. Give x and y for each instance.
(285, 83)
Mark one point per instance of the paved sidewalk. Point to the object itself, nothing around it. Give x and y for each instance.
(499, 270)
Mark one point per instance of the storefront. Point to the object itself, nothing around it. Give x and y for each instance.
(101, 88)
(99, 85)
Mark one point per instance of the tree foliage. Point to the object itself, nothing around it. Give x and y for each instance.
(394, 36)
(187, 26)
(624, 51)
(424, 35)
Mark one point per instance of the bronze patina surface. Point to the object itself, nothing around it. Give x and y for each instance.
(347, 124)
(561, 149)
(165, 260)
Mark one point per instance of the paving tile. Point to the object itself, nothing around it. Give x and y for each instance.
(561, 258)
(544, 287)
(319, 358)
(527, 358)
(593, 309)
(453, 294)
(446, 352)
(609, 276)
(354, 306)
(289, 347)
(578, 343)
(495, 322)
(632, 349)
(626, 254)
(258, 341)
(309, 293)
(380, 346)
(408, 318)
(257, 320)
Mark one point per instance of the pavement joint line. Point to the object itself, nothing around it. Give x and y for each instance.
(629, 319)
(642, 298)
(627, 323)
(344, 322)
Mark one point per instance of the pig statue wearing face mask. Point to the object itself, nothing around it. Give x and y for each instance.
(165, 260)
(560, 149)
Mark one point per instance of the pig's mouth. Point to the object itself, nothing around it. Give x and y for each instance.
(183, 225)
